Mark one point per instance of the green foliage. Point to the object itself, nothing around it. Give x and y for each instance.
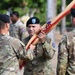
(24, 7)
(5, 4)
(59, 6)
(40, 5)
(68, 17)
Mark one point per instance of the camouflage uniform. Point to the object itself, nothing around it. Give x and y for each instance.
(42, 55)
(10, 50)
(18, 30)
(66, 55)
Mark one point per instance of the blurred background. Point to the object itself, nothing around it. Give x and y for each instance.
(43, 9)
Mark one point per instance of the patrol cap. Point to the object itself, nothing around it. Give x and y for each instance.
(5, 18)
(33, 20)
(14, 13)
(73, 12)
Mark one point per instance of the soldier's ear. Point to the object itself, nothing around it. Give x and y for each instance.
(7, 25)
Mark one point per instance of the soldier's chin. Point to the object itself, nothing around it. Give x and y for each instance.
(31, 34)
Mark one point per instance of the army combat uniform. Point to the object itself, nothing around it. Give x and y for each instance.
(18, 30)
(40, 58)
(10, 50)
(66, 55)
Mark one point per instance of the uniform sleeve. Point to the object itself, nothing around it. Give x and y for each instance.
(29, 54)
(19, 49)
(49, 49)
(22, 51)
(62, 57)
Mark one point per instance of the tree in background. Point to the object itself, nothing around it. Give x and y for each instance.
(37, 8)
(32, 8)
(28, 7)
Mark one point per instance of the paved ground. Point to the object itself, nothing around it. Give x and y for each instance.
(54, 60)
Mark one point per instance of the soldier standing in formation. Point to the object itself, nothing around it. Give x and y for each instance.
(10, 49)
(66, 51)
(17, 28)
(41, 54)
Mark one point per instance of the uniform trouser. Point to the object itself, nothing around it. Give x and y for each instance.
(8, 73)
(12, 72)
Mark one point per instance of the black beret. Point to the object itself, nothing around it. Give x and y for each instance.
(33, 20)
(73, 12)
(5, 18)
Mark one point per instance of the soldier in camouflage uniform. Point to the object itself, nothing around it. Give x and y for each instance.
(17, 28)
(40, 55)
(10, 49)
(66, 52)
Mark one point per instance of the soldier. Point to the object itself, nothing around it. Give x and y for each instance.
(17, 28)
(66, 52)
(10, 49)
(40, 55)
